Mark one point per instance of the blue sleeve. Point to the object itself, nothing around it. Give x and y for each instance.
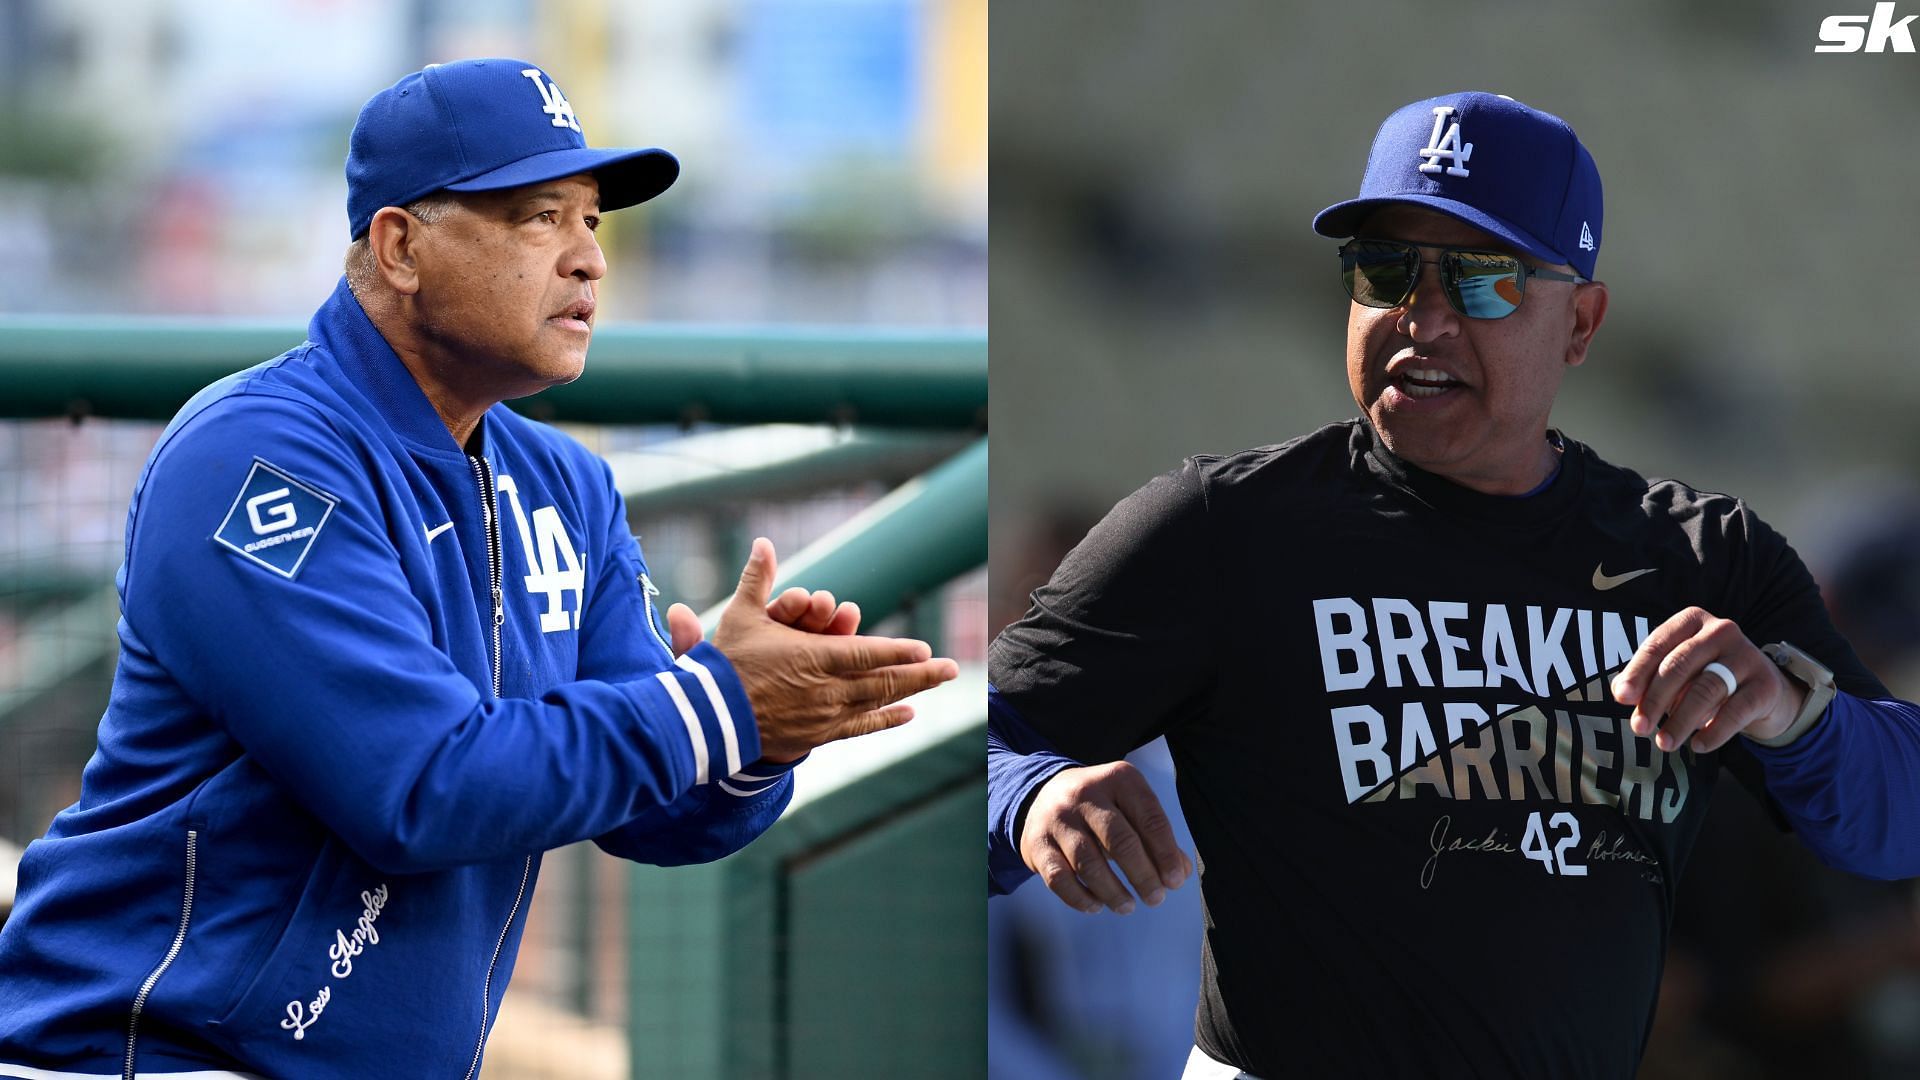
(623, 636)
(1019, 760)
(1851, 786)
(328, 676)
(1133, 596)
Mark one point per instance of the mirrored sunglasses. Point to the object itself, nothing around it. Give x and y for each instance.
(1478, 284)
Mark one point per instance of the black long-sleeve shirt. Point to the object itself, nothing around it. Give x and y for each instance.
(1430, 844)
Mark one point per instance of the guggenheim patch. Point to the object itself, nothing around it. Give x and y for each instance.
(275, 519)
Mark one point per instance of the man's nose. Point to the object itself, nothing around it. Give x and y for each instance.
(1426, 314)
(585, 259)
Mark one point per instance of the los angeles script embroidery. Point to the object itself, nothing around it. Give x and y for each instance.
(346, 946)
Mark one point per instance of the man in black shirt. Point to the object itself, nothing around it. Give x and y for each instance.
(1446, 691)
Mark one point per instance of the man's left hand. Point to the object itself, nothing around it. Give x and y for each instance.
(815, 613)
(1667, 682)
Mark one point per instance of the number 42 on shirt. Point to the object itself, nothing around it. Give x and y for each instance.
(1534, 844)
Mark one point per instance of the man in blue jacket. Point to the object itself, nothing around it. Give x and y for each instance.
(384, 642)
(1447, 692)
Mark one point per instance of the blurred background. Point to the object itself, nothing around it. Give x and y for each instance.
(176, 166)
(1157, 292)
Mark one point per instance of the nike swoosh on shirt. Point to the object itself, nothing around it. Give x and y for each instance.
(438, 529)
(1603, 582)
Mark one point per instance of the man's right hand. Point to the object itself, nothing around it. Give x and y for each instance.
(813, 688)
(1081, 818)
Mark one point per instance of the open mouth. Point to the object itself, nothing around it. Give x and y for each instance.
(575, 316)
(1420, 383)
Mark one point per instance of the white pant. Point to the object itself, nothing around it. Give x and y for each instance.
(1202, 1067)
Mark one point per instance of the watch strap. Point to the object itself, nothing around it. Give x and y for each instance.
(1808, 672)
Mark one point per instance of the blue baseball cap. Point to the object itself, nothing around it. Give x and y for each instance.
(1516, 172)
(482, 125)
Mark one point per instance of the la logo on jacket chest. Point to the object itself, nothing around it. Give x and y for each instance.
(554, 567)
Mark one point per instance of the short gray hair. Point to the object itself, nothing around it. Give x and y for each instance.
(362, 271)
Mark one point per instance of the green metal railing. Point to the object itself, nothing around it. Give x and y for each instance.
(922, 535)
(716, 468)
(146, 368)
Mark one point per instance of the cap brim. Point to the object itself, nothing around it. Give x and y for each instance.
(627, 177)
(1344, 218)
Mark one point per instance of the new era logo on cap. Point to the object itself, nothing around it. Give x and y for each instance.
(1492, 162)
(483, 125)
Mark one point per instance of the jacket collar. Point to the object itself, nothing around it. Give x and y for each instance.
(342, 328)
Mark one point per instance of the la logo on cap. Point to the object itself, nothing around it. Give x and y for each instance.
(555, 104)
(1445, 146)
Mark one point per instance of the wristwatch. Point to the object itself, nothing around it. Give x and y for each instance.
(1808, 672)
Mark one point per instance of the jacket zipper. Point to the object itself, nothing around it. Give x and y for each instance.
(651, 590)
(179, 940)
(486, 996)
(484, 475)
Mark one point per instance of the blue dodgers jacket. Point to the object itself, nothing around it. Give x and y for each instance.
(365, 678)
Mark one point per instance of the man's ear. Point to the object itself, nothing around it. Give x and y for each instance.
(1589, 311)
(393, 238)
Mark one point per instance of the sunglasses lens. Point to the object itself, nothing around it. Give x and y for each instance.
(1484, 286)
(1377, 275)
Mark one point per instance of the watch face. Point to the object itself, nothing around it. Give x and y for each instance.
(1803, 667)
(1808, 672)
